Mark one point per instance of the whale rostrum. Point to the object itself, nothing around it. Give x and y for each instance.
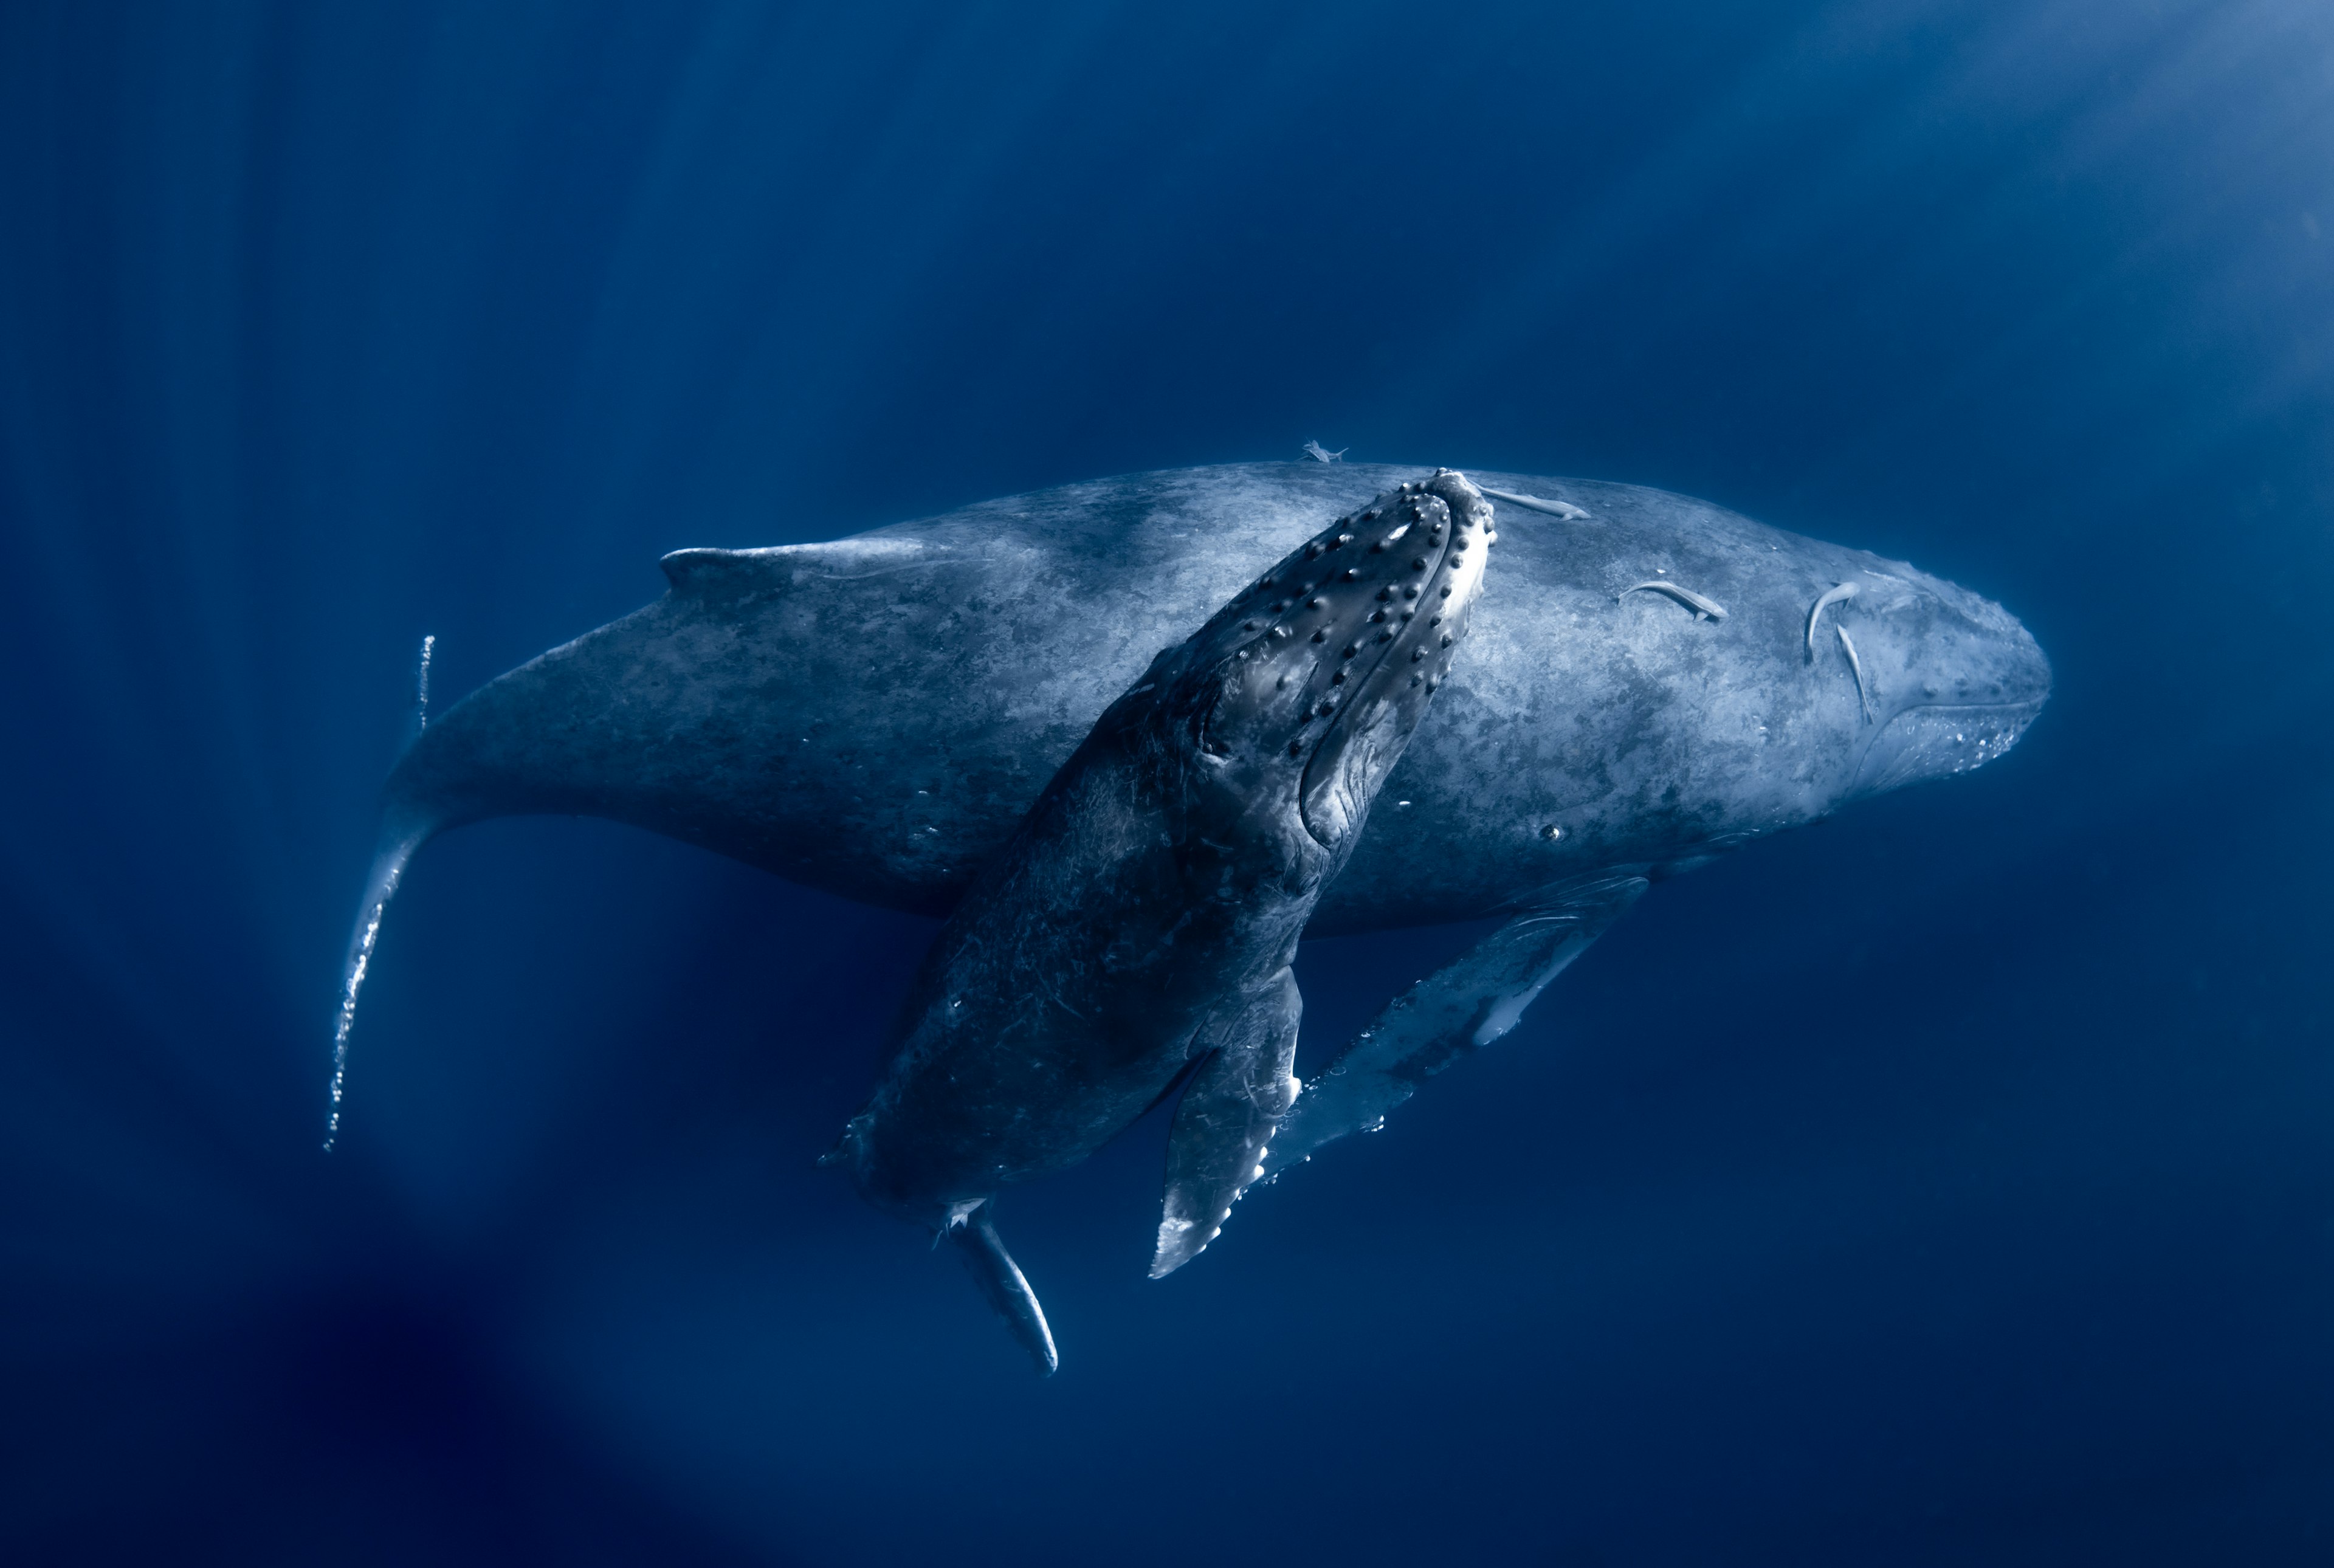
(876, 715)
(1142, 920)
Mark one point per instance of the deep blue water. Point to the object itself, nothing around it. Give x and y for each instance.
(1953, 1182)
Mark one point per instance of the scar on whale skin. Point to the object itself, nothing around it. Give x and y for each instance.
(1836, 595)
(1703, 609)
(1863, 698)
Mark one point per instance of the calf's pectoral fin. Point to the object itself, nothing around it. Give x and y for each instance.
(1005, 1288)
(1459, 1009)
(1226, 1119)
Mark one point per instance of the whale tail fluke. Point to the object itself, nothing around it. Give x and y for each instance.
(421, 691)
(401, 835)
(1005, 1288)
(405, 827)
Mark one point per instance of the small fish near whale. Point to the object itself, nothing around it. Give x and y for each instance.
(877, 717)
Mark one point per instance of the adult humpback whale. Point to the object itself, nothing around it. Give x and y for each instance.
(1141, 922)
(873, 716)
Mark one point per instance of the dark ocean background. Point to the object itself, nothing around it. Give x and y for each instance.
(1949, 1183)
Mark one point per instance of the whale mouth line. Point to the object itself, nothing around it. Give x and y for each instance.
(1939, 739)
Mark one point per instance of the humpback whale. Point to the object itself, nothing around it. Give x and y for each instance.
(1142, 923)
(874, 715)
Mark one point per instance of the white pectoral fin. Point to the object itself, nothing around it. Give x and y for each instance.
(1459, 1009)
(1004, 1286)
(1225, 1119)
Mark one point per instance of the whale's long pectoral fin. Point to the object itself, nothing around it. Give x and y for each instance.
(1226, 1119)
(1453, 1012)
(1005, 1288)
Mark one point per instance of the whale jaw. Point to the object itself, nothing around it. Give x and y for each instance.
(1940, 740)
(1311, 681)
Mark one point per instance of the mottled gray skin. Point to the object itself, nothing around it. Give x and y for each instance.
(1142, 920)
(873, 716)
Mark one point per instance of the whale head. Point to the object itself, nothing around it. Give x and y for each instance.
(1947, 681)
(1297, 698)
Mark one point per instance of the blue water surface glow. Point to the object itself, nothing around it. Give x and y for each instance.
(1950, 1183)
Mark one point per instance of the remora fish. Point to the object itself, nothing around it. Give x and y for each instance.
(1142, 920)
(873, 716)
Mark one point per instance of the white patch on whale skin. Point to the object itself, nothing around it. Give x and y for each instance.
(1171, 1240)
(1509, 1009)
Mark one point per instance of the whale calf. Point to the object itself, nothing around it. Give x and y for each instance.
(873, 716)
(1142, 923)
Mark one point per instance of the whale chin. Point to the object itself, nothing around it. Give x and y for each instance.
(1940, 740)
